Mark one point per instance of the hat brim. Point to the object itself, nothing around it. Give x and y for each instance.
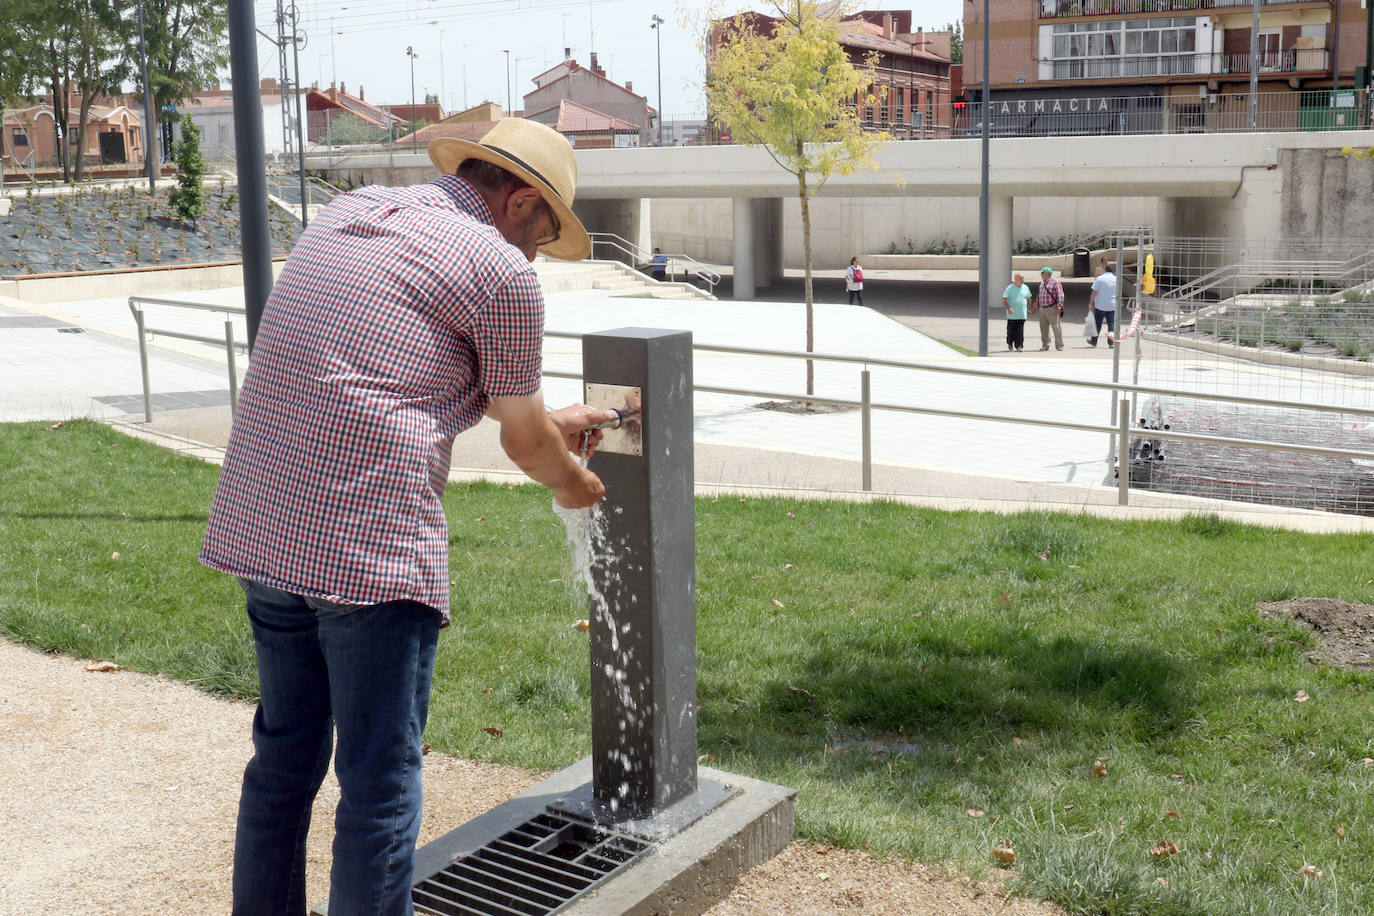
(573, 244)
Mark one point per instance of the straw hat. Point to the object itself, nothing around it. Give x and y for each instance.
(539, 156)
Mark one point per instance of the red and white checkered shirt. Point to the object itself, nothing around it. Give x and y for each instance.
(399, 313)
(1050, 295)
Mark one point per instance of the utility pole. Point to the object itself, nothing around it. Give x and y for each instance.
(297, 39)
(507, 53)
(656, 24)
(410, 52)
(285, 87)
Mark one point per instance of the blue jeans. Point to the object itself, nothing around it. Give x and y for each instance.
(366, 673)
(1109, 318)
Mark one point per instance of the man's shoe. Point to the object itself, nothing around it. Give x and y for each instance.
(1046, 347)
(1059, 348)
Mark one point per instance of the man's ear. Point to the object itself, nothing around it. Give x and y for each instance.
(520, 204)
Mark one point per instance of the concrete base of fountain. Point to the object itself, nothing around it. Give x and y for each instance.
(692, 854)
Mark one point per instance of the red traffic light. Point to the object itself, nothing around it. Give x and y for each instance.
(959, 106)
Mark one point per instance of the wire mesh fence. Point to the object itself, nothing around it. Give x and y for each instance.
(1311, 350)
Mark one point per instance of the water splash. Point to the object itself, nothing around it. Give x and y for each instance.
(595, 561)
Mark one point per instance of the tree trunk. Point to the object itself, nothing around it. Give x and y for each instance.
(59, 121)
(154, 140)
(81, 125)
(805, 198)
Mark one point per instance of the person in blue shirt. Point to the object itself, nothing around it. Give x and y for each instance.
(1015, 299)
(1102, 303)
(658, 265)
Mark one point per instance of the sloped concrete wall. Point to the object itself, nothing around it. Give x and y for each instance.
(1326, 195)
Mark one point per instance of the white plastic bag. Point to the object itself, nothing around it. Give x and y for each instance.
(1090, 326)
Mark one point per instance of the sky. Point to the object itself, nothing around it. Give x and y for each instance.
(459, 45)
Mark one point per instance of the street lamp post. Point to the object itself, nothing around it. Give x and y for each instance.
(410, 52)
(465, 76)
(1254, 66)
(443, 89)
(655, 24)
(507, 53)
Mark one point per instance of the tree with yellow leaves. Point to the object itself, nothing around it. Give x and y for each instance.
(792, 92)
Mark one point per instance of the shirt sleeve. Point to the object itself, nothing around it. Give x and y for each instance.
(508, 337)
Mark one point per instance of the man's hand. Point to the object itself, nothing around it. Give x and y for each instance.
(572, 422)
(583, 490)
(539, 447)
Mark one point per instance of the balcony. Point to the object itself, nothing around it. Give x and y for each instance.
(1299, 60)
(1062, 9)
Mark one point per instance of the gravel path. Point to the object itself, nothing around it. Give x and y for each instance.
(118, 793)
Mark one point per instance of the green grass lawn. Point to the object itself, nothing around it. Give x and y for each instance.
(900, 667)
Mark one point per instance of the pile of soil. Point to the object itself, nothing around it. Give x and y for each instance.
(1344, 631)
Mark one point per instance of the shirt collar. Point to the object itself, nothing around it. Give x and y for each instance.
(466, 197)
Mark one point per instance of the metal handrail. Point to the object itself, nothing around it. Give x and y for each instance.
(625, 246)
(1121, 431)
(231, 346)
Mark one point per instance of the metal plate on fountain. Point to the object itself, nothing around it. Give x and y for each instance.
(629, 438)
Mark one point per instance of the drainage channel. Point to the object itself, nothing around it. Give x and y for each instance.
(537, 868)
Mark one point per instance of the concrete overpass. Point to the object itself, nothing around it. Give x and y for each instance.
(1229, 185)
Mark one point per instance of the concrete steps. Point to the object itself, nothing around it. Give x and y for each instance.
(610, 276)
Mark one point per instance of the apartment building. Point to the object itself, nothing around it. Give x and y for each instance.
(911, 70)
(590, 88)
(1167, 65)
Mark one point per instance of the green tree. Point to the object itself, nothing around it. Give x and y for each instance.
(188, 197)
(188, 46)
(96, 64)
(956, 42)
(21, 50)
(21, 55)
(793, 93)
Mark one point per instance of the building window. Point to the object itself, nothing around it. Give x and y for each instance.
(20, 137)
(1124, 48)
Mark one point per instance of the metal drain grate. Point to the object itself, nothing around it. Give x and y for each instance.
(71, 330)
(539, 867)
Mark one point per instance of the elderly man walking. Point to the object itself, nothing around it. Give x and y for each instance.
(401, 318)
(1049, 306)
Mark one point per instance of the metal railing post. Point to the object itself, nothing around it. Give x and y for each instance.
(143, 363)
(233, 367)
(1123, 458)
(866, 426)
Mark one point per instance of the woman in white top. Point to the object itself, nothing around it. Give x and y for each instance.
(854, 280)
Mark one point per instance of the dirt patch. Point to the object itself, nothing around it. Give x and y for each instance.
(1345, 631)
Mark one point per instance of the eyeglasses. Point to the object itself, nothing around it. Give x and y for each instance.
(557, 228)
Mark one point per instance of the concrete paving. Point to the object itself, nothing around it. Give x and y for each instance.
(54, 373)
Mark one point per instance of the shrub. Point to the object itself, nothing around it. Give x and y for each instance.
(188, 198)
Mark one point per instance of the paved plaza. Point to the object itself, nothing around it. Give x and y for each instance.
(80, 359)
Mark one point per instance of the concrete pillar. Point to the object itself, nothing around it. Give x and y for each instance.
(643, 640)
(743, 259)
(773, 250)
(999, 250)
